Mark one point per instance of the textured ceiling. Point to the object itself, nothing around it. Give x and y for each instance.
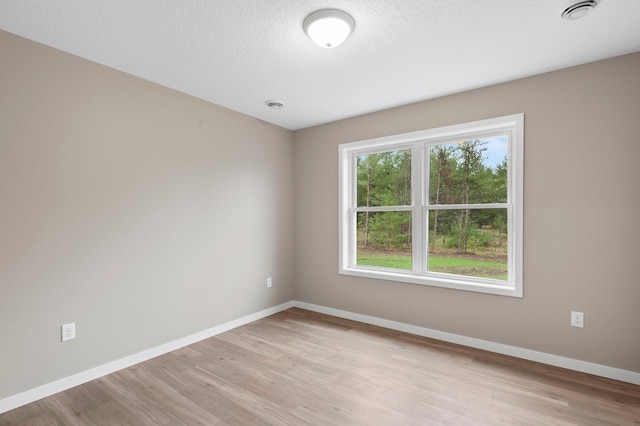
(240, 53)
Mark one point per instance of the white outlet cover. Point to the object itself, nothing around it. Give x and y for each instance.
(68, 331)
(577, 319)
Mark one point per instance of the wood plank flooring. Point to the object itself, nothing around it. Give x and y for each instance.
(299, 367)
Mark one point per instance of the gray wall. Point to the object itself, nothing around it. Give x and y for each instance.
(142, 214)
(582, 213)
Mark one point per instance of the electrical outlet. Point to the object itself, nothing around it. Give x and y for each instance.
(68, 331)
(577, 319)
(269, 283)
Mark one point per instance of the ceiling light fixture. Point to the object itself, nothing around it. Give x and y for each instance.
(579, 10)
(328, 27)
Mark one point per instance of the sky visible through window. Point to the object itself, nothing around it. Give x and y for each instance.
(496, 151)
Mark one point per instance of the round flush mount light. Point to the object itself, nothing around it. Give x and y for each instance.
(275, 104)
(328, 27)
(579, 10)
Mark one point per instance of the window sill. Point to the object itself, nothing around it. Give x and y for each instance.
(477, 285)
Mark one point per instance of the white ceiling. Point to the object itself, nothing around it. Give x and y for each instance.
(241, 53)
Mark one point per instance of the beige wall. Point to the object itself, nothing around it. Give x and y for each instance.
(145, 215)
(142, 214)
(582, 217)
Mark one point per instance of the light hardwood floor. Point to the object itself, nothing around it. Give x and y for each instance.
(299, 367)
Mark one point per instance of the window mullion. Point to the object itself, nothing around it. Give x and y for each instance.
(384, 209)
(417, 198)
(468, 206)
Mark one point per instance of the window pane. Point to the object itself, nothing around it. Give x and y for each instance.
(384, 179)
(469, 172)
(384, 239)
(469, 242)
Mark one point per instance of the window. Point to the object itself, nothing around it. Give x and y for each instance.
(440, 207)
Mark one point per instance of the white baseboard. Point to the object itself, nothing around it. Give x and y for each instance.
(541, 357)
(43, 391)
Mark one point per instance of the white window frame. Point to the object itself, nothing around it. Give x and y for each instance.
(419, 142)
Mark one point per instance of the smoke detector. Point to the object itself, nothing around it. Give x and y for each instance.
(579, 10)
(275, 104)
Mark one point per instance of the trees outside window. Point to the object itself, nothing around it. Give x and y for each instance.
(439, 207)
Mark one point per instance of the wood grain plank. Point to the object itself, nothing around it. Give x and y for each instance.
(301, 367)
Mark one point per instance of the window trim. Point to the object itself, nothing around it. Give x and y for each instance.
(419, 141)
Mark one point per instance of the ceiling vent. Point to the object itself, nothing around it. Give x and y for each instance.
(579, 10)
